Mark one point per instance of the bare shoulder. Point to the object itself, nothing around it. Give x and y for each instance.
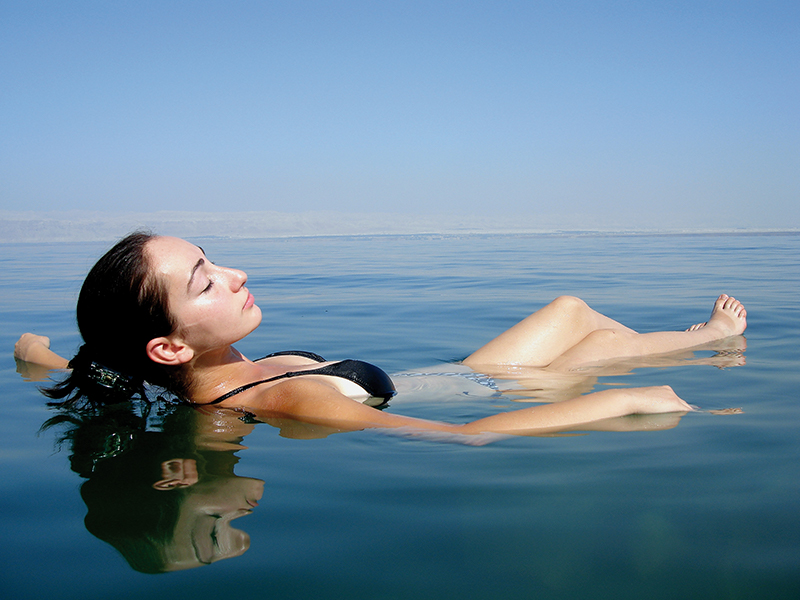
(317, 402)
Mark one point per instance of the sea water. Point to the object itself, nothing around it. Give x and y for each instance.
(707, 509)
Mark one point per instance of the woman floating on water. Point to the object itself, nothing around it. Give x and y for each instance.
(155, 309)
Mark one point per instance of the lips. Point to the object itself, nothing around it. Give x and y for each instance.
(249, 302)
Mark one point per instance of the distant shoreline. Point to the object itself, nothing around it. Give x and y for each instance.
(79, 226)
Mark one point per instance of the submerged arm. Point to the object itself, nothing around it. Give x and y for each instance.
(317, 403)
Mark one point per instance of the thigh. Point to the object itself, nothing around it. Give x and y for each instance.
(545, 335)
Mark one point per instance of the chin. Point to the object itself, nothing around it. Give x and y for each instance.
(257, 320)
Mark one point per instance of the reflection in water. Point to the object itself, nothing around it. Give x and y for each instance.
(160, 485)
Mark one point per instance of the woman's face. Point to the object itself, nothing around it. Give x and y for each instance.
(203, 533)
(211, 305)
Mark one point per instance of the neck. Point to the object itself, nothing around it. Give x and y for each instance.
(213, 373)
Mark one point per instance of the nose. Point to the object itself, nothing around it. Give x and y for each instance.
(237, 278)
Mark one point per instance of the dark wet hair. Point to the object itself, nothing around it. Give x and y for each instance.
(121, 307)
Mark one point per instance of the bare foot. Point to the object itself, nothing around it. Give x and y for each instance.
(728, 317)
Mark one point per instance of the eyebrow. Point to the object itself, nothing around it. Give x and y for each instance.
(196, 266)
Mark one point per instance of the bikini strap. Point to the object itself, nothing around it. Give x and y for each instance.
(247, 386)
(303, 353)
(242, 388)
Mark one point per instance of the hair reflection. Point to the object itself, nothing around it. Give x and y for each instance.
(160, 484)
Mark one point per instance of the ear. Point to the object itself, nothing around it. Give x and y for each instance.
(169, 351)
(177, 473)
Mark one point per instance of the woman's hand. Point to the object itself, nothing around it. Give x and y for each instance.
(29, 346)
(32, 348)
(656, 400)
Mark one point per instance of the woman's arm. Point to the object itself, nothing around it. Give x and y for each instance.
(35, 349)
(315, 402)
(583, 410)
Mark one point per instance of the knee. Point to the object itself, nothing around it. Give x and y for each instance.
(569, 304)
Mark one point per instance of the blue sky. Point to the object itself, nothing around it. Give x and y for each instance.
(633, 114)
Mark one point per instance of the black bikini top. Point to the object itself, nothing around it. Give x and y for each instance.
(373, 380)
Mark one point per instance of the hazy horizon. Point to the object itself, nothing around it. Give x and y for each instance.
(87, 226)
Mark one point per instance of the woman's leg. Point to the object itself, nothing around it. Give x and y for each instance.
(545, 335)
(567, 333)
(728, 318)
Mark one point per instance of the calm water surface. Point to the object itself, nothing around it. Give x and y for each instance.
(708, 509)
